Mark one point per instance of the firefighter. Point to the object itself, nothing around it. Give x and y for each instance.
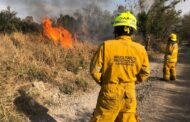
(117, 66)
(170, 60)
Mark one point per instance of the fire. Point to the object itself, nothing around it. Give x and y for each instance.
(58, 34)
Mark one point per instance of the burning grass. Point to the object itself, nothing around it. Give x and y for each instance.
(32, 58)
(57, 34)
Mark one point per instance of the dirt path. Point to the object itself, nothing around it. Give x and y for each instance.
(170, 101)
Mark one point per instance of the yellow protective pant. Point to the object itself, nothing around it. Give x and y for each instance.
(116, 103)
(169, 71)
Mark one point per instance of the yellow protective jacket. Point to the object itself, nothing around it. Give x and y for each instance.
(120, 61)
(171, 52)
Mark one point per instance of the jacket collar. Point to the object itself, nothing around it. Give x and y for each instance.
(128, 38)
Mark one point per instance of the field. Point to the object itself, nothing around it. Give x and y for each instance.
(42, 81)
(30, 62)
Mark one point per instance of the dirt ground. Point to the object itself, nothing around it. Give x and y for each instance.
(169, 101)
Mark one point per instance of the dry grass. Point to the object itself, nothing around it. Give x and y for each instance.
(28, 58)
(32, 57)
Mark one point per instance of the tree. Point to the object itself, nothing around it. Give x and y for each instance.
(96, 22)
(8, 21)
(67, 22)
(159, 20)
(185, 27)
(142, 26)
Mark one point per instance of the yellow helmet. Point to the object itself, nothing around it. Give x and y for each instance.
(173, 37)
(126, 19)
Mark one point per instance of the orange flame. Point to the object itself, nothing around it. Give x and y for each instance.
(58, 34)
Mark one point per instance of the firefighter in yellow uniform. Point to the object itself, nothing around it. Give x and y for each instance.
(117, 66)
(169, 71)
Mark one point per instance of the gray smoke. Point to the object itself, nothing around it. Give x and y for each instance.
(41, 8)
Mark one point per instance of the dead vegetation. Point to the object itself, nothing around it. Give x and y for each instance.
(27, 59)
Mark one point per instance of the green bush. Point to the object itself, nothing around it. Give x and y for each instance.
(33, 73)
(81, 84)
(67, 88)
(70, 88)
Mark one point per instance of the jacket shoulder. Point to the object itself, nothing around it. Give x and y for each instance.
(110, 41)
(138, 45)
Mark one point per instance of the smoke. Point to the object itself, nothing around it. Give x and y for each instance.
(41, 8)
(87, 19)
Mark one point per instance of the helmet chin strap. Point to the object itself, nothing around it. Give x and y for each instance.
(126, 29)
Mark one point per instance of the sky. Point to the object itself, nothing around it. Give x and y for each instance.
(38, 8)
(184, 6)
